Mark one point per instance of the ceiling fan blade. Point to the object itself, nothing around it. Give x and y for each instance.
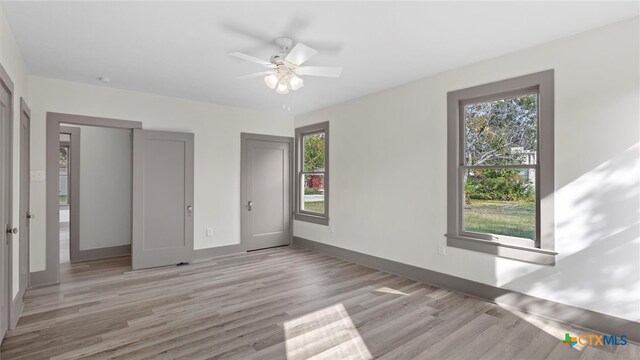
(250, 76)
(325, 47)
(251, 58)
(296, 25)
(325, 71)
(300, 53)
(248, 32)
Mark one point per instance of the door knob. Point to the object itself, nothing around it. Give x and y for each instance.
(189, 209)
(11, 230)
(249, 205)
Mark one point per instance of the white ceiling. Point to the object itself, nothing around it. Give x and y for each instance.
(180, 49)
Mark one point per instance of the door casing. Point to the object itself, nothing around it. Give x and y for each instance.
(7, 174)
(51, 274)
(73, 188)
(25, 212)
(245, 138)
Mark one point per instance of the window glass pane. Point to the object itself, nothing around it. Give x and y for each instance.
(64, 176)
(313, 193)
(502, 132)
(64, 157)
(313, 152)
(500, 202)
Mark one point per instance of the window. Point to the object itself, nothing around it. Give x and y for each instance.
(64, 175)
(312, 173)
(500, 168)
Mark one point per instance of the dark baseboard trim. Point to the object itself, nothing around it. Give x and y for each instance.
(219, 251)
(206, 253)
(101, 253)
(41, 278)
(587, 319)
(16, 309)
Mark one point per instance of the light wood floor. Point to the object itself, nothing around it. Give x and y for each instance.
(273, 304)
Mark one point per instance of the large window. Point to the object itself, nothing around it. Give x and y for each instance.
(312, 169)
(501, 168)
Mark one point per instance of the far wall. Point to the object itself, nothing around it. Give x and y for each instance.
(105, 187)
(389, 184)
(217, 148)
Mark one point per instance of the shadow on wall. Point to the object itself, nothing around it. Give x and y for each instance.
(598, 241)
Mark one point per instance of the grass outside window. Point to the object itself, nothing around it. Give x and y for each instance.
(510, 218)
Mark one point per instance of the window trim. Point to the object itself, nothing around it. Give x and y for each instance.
(543, 249)
(462, 143)
(299, 214)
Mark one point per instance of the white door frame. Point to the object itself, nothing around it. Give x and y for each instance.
(51, 274)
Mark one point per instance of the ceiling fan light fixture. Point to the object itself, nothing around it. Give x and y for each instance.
(286, 67)
(296, 83)
(271, 81)
(282, 88)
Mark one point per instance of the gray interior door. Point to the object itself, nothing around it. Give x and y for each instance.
(162, 198)
(5, 207)
(266, 191)
(25, 212)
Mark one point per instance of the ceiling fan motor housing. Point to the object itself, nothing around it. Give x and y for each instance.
(284, 44)
(278, 59)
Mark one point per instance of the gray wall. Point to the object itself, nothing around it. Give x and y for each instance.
(105, 187)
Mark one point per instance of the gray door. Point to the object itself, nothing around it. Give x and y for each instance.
(25, 212)
(5, 208)
(266, 191)
(162, 198)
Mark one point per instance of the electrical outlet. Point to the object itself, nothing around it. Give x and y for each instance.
(209, 232)
(441, 249)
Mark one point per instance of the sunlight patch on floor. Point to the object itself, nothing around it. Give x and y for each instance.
(327, 333)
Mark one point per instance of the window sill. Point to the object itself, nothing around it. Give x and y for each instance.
(320, 220)
(515, 252)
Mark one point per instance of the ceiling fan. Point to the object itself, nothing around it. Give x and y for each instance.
(286, 67)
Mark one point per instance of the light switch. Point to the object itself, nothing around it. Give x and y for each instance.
(209, 232)
(441, 249)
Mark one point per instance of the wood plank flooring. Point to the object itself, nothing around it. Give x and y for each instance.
(283, 303)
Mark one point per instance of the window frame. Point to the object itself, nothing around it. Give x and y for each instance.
(301, 214)
(542, 249)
